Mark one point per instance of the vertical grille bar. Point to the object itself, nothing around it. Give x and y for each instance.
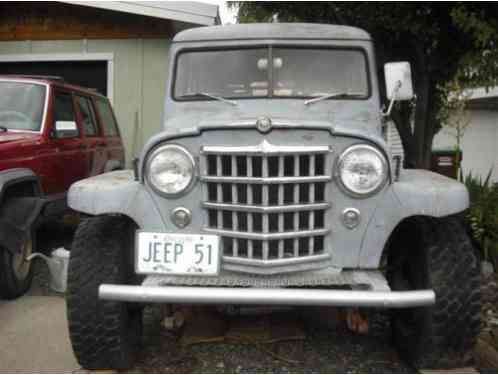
(296, 200)
(235, 199)
(249, 201)
(311, 221)
(280, 203)
(265, 199)
(219, 191)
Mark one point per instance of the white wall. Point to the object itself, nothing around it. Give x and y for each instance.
(479, 145)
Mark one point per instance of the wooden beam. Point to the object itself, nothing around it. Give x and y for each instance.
(57, 21)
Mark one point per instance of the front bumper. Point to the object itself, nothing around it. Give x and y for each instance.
(266, 296)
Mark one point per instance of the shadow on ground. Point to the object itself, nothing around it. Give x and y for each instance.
(322, 351)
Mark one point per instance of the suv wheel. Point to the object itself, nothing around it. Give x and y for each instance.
(16, 272)
(104, 334)
(435, 254)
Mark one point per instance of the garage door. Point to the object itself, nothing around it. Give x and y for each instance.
(92, 74)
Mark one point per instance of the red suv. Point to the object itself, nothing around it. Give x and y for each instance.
(52, 134)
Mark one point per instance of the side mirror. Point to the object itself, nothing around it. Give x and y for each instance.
(65, 129)
(398, 81)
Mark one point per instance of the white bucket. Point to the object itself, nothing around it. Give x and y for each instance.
(58, 269)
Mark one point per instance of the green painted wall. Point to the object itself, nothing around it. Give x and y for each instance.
(140, 68)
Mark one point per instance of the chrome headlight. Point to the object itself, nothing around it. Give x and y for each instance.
(362, 170)
(170, 169)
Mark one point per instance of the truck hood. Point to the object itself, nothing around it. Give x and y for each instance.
(12, 137)
(359, 127)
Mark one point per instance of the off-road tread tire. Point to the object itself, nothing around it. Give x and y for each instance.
(10, 286)
(104, 334)
(442, 257)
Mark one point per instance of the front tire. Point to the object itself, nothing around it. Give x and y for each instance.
(104, 334)
(436, 254)
(16, 273)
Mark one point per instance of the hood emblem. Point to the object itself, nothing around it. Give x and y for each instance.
(263, 124)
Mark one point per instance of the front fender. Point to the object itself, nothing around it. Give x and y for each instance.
(116, 193)
(417, 193)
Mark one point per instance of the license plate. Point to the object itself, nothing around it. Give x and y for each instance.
(177, 254)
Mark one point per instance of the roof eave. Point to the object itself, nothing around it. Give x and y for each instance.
(188, 12)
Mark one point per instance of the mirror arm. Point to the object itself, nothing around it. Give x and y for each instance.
(393, 99)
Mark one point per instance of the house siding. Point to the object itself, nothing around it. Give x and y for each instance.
(479, 144)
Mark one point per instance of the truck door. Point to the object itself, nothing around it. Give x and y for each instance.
(62, 157)
(94, 140)
(115, 148)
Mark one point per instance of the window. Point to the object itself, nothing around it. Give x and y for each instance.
(295, 72)
(107, 118)
(64, 119)
(87, 116)
(63, 108)
(307, 72)
(228, 73)
(21, 105)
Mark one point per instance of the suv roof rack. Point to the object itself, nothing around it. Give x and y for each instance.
(34, 76)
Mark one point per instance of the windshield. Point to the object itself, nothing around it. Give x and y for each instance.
(21, 105)
(295, 72)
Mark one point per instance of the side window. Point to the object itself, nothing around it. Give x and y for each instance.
(107, 118)
(87, 116)
(64, 118)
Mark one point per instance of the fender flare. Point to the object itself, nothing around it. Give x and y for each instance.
(18, 214)
(116, 193)
(417, 193)
(14, 176)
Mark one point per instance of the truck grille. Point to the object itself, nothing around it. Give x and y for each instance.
(268, 204)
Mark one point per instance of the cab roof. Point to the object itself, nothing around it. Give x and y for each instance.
(52, 81)
(272, 31)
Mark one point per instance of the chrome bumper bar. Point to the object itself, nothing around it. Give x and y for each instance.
(262, 296)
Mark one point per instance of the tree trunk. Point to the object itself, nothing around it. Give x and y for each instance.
(417, 144)
(401, 116)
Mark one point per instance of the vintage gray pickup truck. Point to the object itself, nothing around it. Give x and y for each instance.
(271, 184)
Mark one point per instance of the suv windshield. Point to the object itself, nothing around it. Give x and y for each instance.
(21, 105)
(295, 72)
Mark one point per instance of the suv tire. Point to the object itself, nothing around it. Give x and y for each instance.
(16, 273)
(435, 254)
(104, 334)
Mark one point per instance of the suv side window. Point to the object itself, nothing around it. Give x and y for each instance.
(107, 118)
(64, 111)
(87, 116)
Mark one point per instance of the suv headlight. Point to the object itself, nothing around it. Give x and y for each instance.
(362, 170)
(170, 169)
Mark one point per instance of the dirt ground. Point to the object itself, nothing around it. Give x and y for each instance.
(321, 350)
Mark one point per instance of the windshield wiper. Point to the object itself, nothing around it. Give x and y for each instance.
(3, 128)
(343, 94)
(208, 95)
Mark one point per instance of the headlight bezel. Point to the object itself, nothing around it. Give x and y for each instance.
(340, 160)
(159, 149)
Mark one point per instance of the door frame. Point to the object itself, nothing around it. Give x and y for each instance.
(54, 57)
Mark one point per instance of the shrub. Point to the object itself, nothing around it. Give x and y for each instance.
(482, 216)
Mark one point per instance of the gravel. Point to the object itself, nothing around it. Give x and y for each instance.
(323, 351)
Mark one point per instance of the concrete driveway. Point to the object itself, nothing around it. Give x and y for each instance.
(34, 336)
